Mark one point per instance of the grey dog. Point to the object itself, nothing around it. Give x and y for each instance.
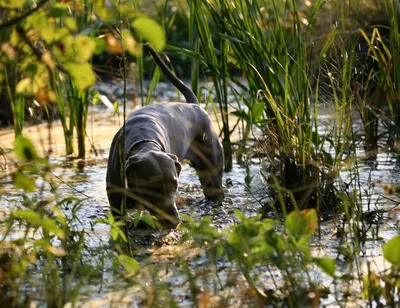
(151, 145)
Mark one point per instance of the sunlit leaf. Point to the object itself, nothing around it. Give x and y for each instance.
(116, 106)
(113, 44)
(391, 251)
(45, 244)
(300, 223)
(150, 31)
(129, 43)
(328, 265)
(12, 4)
(114, 233)
(122, 235)
(29, 216)
(101, 10)
(24, 182)
(50, 226)
(26, 87)
(129, 264)
(70, 23)
(14, 37)
(47, 32)
(110, 218)
(311, 219)
(24, 149)
(81, 74)
(57, 252)
(85, 47)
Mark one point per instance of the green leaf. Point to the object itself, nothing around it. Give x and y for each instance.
(122, 235)
(328, 158)
(82, 75)
(100, 46)
(187, 219)
(391, 251)
(114, 233)
(116, 106)
(102, 10)
(150, 31)
(24, 149)
(58, 10)
(24, 182)
(29, 216)
(110, 218)
(50, 226)
(47, 31)
(12, 4)
(327, 265)
(242, 115)
(129, 264)
(300, 223)
(96, 97)
(85, 47)
(136, 219)
(70, 23)
(257, 111)
(371, 286)
(240, 216)
(26, 87)
(130, 43)
(147, 219)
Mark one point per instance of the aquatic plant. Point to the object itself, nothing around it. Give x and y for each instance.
(47, 258)
(54, 56)
(269, 43)
(39, 233)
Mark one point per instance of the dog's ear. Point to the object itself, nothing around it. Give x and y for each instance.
(178, 165)
(131, 161)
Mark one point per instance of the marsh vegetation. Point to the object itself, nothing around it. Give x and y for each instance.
(305, 95)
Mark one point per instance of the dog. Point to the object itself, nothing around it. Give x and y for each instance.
(146, 154)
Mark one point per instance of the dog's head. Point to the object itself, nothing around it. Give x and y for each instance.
(152, 178)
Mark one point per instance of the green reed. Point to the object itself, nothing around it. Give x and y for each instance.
(393, 12)
(17, 102)
(215, 58)
(271, 45)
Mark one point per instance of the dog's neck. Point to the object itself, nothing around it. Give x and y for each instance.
(145, 145)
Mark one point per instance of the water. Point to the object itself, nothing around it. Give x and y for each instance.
(158, 253)
(88, 183)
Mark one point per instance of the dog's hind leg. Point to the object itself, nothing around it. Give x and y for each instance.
(208, 159)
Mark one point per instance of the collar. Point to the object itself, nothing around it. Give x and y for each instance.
(146, 141)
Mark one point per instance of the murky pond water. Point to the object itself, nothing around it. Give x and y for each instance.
(245, 191)
(88, 182)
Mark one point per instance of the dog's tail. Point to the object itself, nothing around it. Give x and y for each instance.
(187, 93)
